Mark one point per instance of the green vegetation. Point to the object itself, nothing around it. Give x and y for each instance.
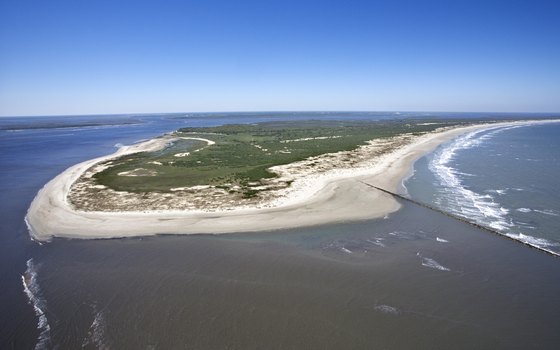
(243, 153)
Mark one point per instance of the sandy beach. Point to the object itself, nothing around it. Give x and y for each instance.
(328, 199)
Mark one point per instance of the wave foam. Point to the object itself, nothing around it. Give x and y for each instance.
(96, 334)
(431, 263)
(376, 241)
(463, 201)
(500, 192)
(533, 241)
(33, 292)
(548, 212)
(386, 309)
(480, 208)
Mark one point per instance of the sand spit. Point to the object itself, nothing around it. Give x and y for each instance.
(185, 154)
(332, 196)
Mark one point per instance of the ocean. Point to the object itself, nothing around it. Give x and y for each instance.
(414, 279)
(505, 178)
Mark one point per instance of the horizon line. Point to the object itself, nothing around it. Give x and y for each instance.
(264, 111)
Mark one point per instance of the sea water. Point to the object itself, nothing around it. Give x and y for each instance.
(33, 150)
(504, 178)
(415, 279)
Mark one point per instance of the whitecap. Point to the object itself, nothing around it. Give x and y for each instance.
(548, 212)
(525, 225)
(346, 250)
(464, 174)
(400, 234)
(387, 309)
(441, 240)
(376, 241)
(524, 210)
(431, 263)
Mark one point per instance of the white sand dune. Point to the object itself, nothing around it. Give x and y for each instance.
(339, 198)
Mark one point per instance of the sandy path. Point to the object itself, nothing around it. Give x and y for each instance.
(340, 199)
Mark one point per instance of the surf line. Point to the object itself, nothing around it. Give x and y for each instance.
(458, 218)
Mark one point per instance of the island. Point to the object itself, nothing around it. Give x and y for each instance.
(241, 178)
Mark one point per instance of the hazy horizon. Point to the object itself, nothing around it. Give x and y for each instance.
(551, 114)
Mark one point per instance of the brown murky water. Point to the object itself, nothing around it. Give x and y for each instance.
(386, 284)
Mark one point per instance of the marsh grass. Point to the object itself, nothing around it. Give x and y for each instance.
(242, 154)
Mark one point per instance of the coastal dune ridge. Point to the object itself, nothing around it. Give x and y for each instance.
(337, 196)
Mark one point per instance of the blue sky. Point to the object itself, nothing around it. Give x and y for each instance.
(96, 56)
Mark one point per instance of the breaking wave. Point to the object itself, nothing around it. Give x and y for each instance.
(540, 243)
(461, 200)
(482, 208)
(34, 295)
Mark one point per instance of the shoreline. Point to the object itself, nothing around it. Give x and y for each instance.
(332, 199)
